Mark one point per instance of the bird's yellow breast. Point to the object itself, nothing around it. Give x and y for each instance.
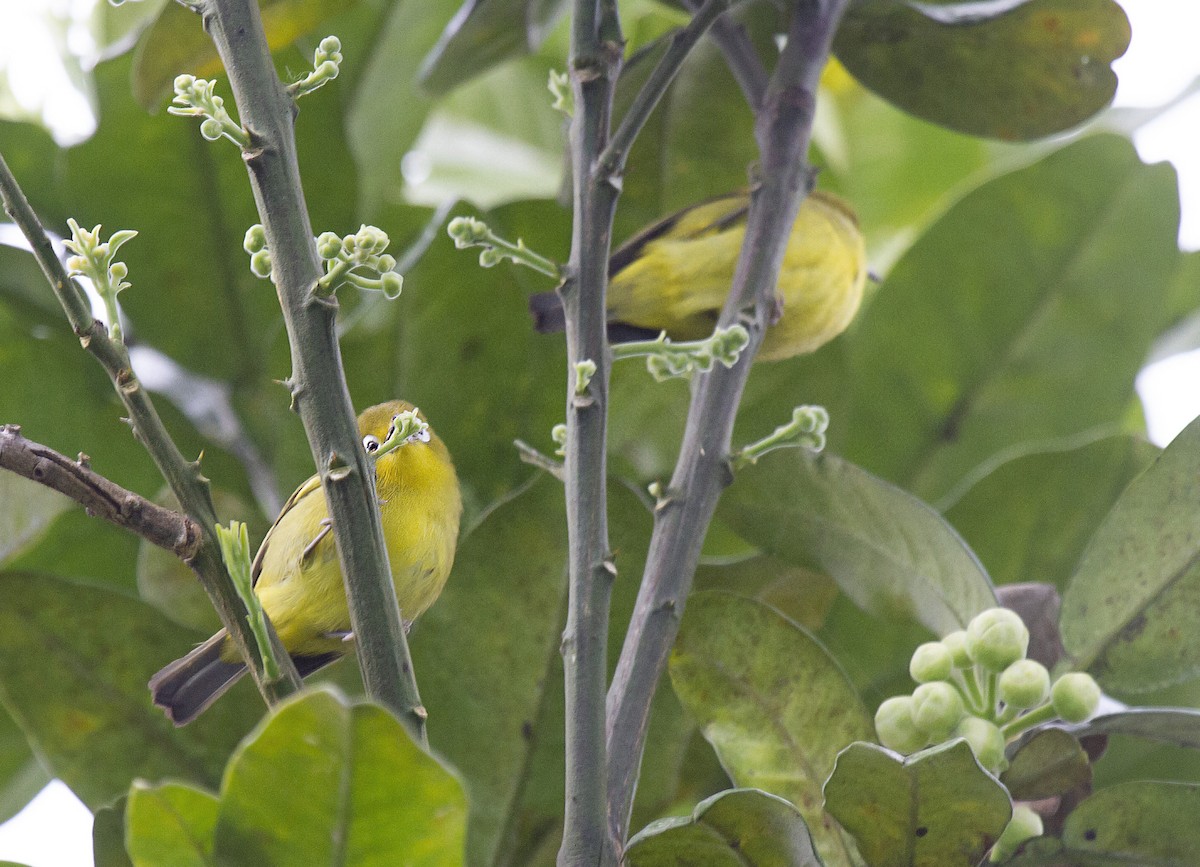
(299, 578)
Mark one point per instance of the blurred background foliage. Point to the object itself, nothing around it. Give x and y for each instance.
(990, 373)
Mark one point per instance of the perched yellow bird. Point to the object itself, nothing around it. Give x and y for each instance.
(674, 276)
(299, 580)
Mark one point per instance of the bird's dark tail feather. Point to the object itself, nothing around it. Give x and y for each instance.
(189, 685)
(185, 688)
(548, 318)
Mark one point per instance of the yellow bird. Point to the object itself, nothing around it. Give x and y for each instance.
(299, 580)
(674, 276)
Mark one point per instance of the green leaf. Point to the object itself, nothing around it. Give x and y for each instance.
(770, 700)
(484, 33)
(889, 552)
(899, 172)
(1138, 823)
(1171, 725)
(1015, 70)
(1133, 604)
(108, 836)
(389, 108)
(934, 808)
(1013, 355)
(737, 828)
(74, 661)
(170, 825)
(327, 781)
(463, 350)
(1049, 764)
(26, 511)
(482, 651)
(1030, 517)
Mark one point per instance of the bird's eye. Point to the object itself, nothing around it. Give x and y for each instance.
(371, 443)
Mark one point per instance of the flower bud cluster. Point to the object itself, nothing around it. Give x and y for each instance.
(327, 61)
(196, 97)
(358, 259)
(977, 684)
(96, 260)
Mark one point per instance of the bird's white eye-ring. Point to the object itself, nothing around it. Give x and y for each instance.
(371, 443)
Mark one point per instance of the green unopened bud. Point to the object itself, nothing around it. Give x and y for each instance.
(956, 643)
(385, 262)
(255, 240)
(329, 245)
(1024, 684)
(489, 257)
(350, 244)
(937, 707)
(211, 129)
(260, 264)
(997, 638)
(392, 283)
(326, 69)
(895, 726)
(1075, 697)
(1024, 825)
(330, 46)
(184, 83)
(931, 662)
(118, 271)
(76, 264)
(986, 742)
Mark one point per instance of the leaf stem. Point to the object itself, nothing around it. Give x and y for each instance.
(783, 128)
(184, 478)
(318, 384)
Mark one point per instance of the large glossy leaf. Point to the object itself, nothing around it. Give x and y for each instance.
(1021, 69)
(482, 651)
(388, 107)
(1030, 518)
(1138, 823)
(1021, 316)
(74, 661)
(934, 808)
(899, 172)
(1051, 763)
(1133, 604)
(771, 701)
(170, 825)
(482, 34)
(1172, 725)
(737, 828)
(327, 781)
(108, 836)
(889, 552)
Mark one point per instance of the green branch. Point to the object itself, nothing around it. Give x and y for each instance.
(318, 385)
(783, 126)
(593, 66)
(183, 476)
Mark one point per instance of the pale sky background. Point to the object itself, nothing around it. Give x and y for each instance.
(54, 830)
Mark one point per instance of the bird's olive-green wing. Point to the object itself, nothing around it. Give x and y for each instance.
(312, 486)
